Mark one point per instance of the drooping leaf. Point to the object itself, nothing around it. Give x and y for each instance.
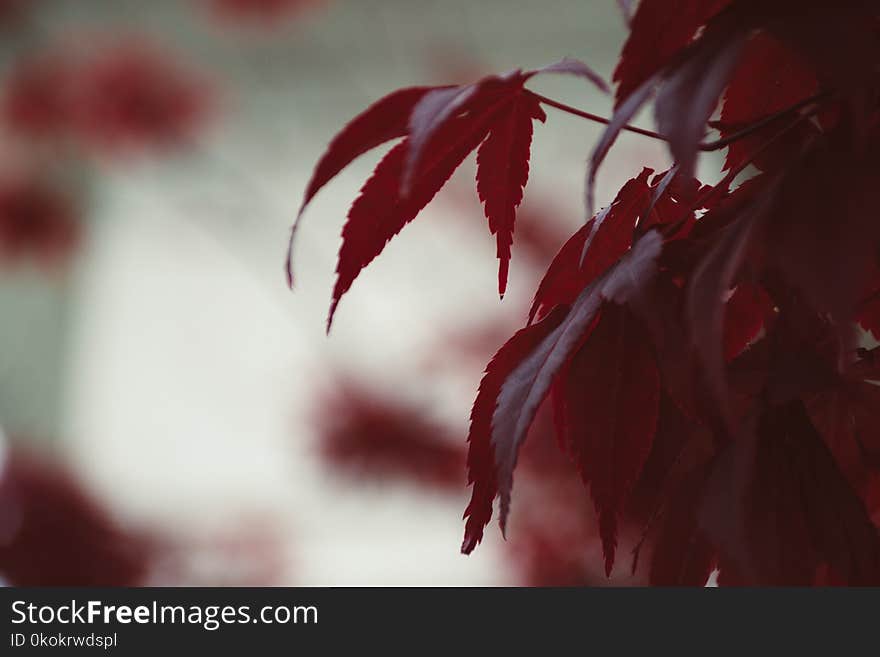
(711, 281)
(746, 313)
(621, 117)
(481, 456)
(800, 510)
(507, 403)
(599, 244)
(682, 554)
(659, 30)
(440, 105)
(572, 66)
(611, 393)
(691, 91)
(379, 213)
(827, 265)
(384, 120)
(769, 78)
(503, 171)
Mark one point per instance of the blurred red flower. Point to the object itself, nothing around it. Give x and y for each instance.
(263, 11)
(11, 11)
(36, 220)
(118, 99)
(371, 437)
(53, 533)
(37, 99)
(131, 97)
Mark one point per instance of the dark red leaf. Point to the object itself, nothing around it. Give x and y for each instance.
(384, 120)
(659, 30)
(481, 453)
(599, 245)
(710, 283)
(441, 105)
(682, 555)
(691, 91)
(746, 313)
(379, 213)
(801, 510)
(503, 171)
(621, 117)
(507, 403)
(769, 78)
(611, 394)
(825, 244)
(571, 66)
(782, 510)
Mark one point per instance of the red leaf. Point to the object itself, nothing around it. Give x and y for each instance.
(611, 394)
(746, 313)
(379, 213)
(712, 279)
(869, 315)
(829, 263)
(384, 120)
(682, 554)
(507, 402)
(439, 106)
(481, 454)
(801, 510)
(659, 30)
(503, 170)
(571, 66)
(689, 95)
(781, 511)
(768, 79)
(600, 243)
(622, 115)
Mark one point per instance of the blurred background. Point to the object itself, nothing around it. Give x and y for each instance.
(171, 412)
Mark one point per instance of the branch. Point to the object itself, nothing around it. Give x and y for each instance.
(718, 144)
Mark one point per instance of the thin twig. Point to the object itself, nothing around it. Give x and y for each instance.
(715, 145)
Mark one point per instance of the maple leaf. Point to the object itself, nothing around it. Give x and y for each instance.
(798, 510)
(698, 342)
(682, 554)
(610, 393)
(441, 126)
(658, 31)
(599, 244)
(748, 311)
(768, 79)
(503, 170)
(520, 376)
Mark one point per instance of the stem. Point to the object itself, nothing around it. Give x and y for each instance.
(724, 184)
(761, 123)
(595, 117)
(705, 146)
